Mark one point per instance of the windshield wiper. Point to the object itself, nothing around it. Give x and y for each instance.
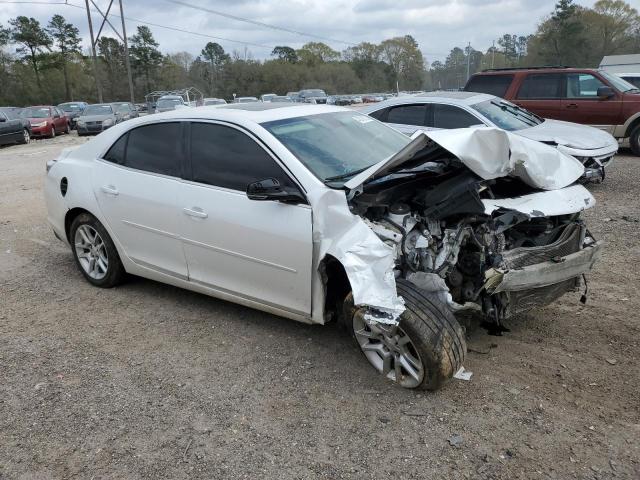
(345, 175)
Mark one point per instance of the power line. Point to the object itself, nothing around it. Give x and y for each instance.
(176, 29)
(260, 24)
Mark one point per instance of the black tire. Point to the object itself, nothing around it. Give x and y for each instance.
(53, 132)
(435, 334)
(26, 137)
(67, 129)
(634, 140)
(115, 272)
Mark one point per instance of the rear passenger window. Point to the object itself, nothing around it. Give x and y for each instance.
(541, 86)
(407, 115)
(380, 114)
(448, 116)
(116, 153)
(225, 157)
(492, 84)
(155, 148)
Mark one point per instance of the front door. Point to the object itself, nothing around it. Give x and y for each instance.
(582, 105)
(258, 250)
(137, 186)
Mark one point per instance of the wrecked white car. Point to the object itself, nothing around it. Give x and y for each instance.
(318, 213)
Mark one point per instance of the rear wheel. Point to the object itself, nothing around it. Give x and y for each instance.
(95, 253)
(423, 351)
(634, 140)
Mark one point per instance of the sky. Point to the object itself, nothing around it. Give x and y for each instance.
(437, 25)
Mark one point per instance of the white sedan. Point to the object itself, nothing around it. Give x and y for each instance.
(318, 213)
(446, 110)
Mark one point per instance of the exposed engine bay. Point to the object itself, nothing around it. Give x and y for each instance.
(448, 242)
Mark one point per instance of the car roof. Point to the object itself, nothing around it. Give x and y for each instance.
(455, 98)
(257, 112)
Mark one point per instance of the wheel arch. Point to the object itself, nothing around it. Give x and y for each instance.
(634, 123)
(336, 285)
(70, 216)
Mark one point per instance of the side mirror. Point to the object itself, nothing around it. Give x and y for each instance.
(270, 189)
(605, 92)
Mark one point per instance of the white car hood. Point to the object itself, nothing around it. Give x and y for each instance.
(489, 153)
(569, 134)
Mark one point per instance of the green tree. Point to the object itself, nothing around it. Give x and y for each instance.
(34, 40)
(285, 54)
(215, 56)
(112, 59)
(313, 53)
(406, 61)
(614, 27)
(67, 39)
(145, 56)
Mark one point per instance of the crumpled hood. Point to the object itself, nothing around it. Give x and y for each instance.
(96, 118)
(489, 153)
(569, 134)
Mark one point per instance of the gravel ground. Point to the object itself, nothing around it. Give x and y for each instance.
(150, 381)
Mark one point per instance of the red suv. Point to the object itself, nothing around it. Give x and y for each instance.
(46, 120)
(580, 95)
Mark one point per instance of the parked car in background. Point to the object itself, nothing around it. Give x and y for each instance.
(46, 120)
(372, 98)
(97, 118)
(295, 96)
(13, 128)
(318, 213)
(266, 97)
(632, 78)
(214, 101)
(142, 107)
(125, 111)
(581, 95)
(170, 102)
(245, 100)
(281, 99)
(448, 110)
(313, 95)
(72, 111)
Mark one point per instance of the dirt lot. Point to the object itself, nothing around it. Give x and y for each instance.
(149, 381)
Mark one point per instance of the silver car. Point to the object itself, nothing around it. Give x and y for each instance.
(447, 110)
(319, 214)
(97, 118)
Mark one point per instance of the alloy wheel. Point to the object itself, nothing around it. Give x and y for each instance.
(91, 252)
(27, 137)
(389, 350)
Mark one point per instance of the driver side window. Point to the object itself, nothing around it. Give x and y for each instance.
(225, 157)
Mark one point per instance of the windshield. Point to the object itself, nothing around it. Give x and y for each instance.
(71, 107)
(314, 93)
(168, 102)
(36, 112)
(97, 110)
(341, 144)
(619, 83)
(506, 115)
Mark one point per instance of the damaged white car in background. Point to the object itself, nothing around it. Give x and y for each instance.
(318, 213)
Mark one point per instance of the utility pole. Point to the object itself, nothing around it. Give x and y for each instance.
(468, 59)
(126, 54)
(122, 36)
(493, 53)
(96, 74)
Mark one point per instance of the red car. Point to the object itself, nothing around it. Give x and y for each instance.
(580, 95)
(46, 120)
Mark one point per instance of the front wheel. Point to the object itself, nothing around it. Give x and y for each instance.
(26, 138)
(95, 253)
(423, 351)
(52, 134)
(67, 129)
(634, 141)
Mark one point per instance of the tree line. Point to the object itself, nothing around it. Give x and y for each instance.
(50, 66)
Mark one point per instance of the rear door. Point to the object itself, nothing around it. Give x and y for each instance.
(406, 118)
(450, 116)
(258, 250)
(137, 185)
(582, 104)
(5, 129)
(542, 94)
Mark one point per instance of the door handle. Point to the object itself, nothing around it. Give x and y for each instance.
(572, 105)
(195, 212)
(110, 190)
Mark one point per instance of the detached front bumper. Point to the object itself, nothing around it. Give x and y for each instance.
(536, 276)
